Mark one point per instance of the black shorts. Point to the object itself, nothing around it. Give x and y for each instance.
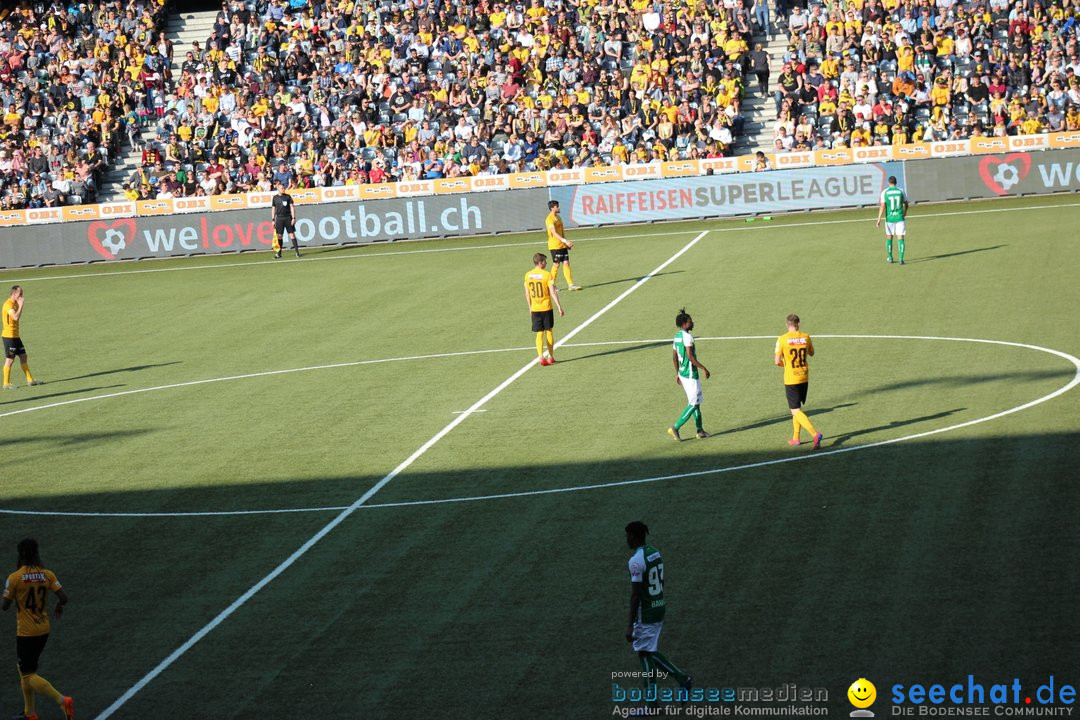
(13, 347)
(543, 320)
(28, 652)
(560, 256)
(796, 395)
(281, 225)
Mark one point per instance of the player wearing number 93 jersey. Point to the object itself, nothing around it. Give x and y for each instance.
(647, 606)
(793, 351)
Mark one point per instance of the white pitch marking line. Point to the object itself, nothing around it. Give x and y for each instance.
(359, 502)
(458, 412)
(715, 471)
(266, 373)
(811, 223)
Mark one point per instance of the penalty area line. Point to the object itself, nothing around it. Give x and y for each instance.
(371, 492)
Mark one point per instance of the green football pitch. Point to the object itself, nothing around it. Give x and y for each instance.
(340, 486)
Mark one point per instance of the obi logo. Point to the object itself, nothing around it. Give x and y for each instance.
(1001, 174)
(862, 694)
(108, 239)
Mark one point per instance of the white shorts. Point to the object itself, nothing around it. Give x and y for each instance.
(692, 388)
(895, 229)
(647, 636)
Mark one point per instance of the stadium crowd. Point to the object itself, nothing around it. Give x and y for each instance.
(331, 92)
(892, 72)
(72, 77)
(317, 94)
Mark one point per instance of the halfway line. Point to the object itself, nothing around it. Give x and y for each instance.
(359, 502)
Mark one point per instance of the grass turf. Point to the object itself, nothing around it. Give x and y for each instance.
(919, 561)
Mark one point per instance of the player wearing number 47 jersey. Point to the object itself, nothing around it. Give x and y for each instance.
(793, 351)
(647, 606)
(893, 207)
(28, 588)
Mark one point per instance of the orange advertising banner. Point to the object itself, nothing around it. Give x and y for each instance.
(680, 168)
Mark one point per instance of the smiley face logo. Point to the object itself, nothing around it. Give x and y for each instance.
(862, 693)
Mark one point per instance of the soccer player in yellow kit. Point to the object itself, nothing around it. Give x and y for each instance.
(559, 246)
(28, 587)
(13, 344)
(793, 349)
(539, 293)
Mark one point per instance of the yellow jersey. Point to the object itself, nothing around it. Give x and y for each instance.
(10, 324)
(555, 232)
(538, 284)
(29, 588)
(795, 349)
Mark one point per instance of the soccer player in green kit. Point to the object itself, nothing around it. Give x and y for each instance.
(647, 606)
(894, 205)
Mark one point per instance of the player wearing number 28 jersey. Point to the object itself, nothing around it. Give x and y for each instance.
(793, 352)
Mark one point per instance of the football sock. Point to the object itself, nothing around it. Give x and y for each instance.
(28, 696)
(888, 247)
(540, 343)
(554, 272)
(26, 371)
(42, 687)
(658, 660)
(697, 418)
(549, 337)
(7, 374)
(685, 416)
(566, 272)
(805, 422)
(796, 426)
(901, 249)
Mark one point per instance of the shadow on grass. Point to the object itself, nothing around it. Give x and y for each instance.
(966, 380)
(938, 523)
(73, 439)
(617, 351)
(786, 419)
(628, 280)
(943, 256)
(844, 437)
(133, 368)
(33, 397)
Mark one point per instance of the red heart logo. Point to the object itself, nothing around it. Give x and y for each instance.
(112, 241)
(1001, 173)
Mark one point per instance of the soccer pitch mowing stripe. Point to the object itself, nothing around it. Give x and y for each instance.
(302, 550)
(475, 408)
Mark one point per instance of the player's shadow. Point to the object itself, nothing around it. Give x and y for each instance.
(954, 254)
(633, 279)
(73, 439)
(625, 348)
(955, 381)
(786, 419)
(31, 397)
(133, 368)
(840, 439)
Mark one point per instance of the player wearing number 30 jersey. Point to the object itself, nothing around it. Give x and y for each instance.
(793, 352)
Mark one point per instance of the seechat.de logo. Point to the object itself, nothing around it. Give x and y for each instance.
(862, 694)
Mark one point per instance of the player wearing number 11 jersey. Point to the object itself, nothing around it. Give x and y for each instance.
(793, 352)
